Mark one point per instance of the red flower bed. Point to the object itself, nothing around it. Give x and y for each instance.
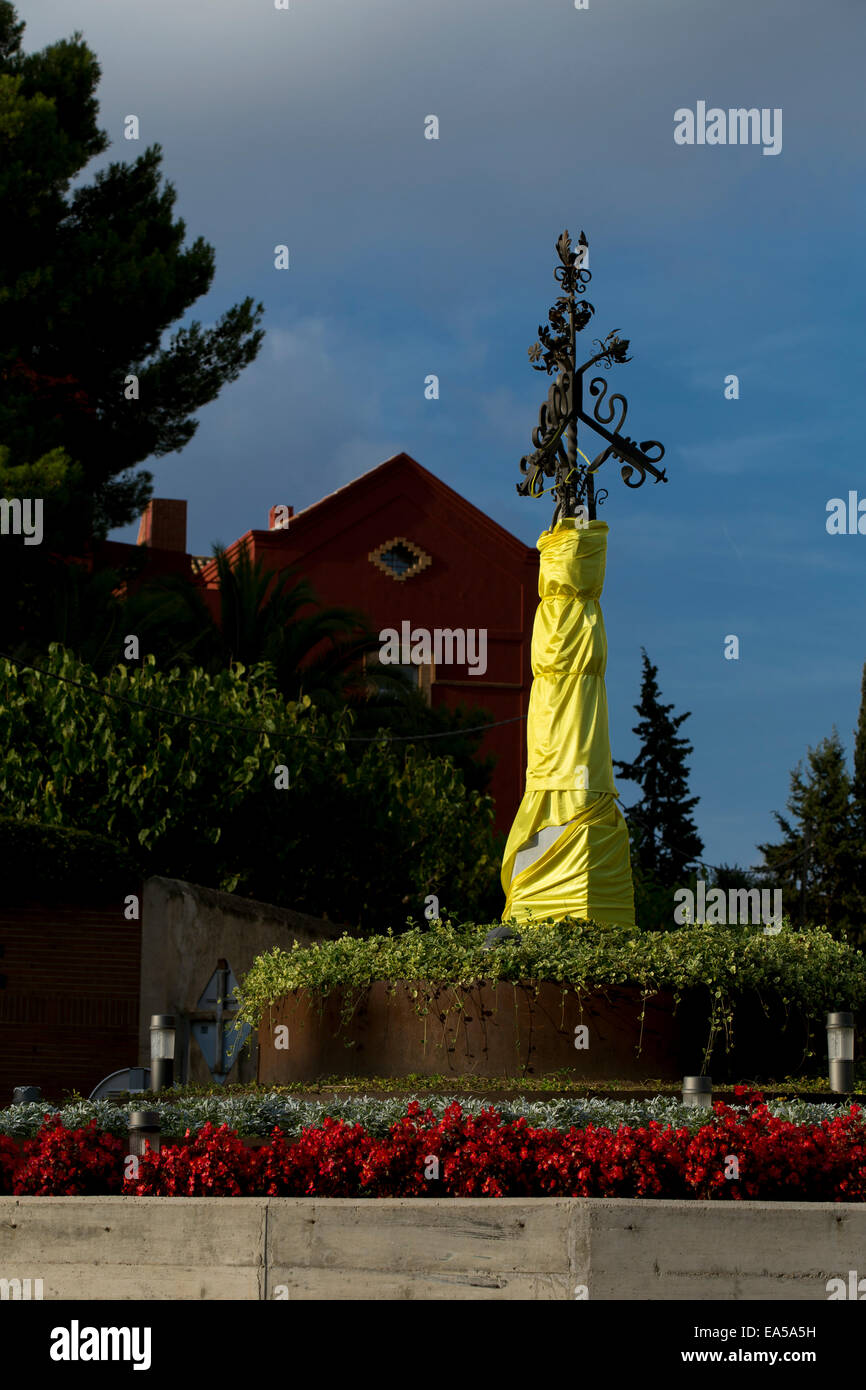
(777, 1160)
(325, 1162)
(10, 1160)
(67, 1163)
(733, 1156)
(212, 1163)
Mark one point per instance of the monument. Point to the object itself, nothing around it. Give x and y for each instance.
(568, 851)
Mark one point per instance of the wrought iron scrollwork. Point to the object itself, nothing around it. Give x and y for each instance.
(550, 453)
(556, 451)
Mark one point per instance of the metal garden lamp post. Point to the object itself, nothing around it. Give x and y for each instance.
(143, 1132)
(840, 1051)
(162, 1033)
(698, 1092)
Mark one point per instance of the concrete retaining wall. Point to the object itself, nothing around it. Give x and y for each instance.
(185, 930)
(428, 1249)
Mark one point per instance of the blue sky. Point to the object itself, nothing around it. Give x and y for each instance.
(411, 256)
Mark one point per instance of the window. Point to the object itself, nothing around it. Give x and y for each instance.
(400, 558)
(418, 677)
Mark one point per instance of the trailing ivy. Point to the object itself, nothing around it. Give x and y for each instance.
(805, 970)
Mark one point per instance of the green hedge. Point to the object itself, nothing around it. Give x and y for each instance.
(54, 863)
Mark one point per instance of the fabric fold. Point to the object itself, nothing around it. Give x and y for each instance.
(568, 850)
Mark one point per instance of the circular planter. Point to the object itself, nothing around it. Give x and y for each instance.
(768, 1042)
(490, 1030)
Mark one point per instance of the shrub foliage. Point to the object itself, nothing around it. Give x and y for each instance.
(805, 970)
(181, 769)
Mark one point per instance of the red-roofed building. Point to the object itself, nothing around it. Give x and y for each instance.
(404, 548)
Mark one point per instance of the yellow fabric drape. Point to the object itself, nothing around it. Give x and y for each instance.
(584, 871)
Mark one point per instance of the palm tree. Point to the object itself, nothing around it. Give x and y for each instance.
(261, 617)
(320, 653)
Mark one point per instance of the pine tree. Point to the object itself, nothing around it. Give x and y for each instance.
(262, 615)
(728, 876)
(667, 842)
(91, 280)
(815, 863)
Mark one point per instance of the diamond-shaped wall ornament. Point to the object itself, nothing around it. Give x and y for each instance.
(400, 558)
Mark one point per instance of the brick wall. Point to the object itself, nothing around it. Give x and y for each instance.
(69, 996)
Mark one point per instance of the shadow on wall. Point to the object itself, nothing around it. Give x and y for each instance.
(79, 979)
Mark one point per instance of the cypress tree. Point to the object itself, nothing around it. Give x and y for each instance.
(666, 842)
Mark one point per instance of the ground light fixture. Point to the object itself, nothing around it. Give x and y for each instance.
(497, 935)
(698, 1092)
(840, 1051)
(143, 1132)
(162, 1033)
(26, 1095)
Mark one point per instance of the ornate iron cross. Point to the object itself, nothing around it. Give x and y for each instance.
(555, 436)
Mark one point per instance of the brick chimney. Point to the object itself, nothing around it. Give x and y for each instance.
(163, 525)
(279, 517)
